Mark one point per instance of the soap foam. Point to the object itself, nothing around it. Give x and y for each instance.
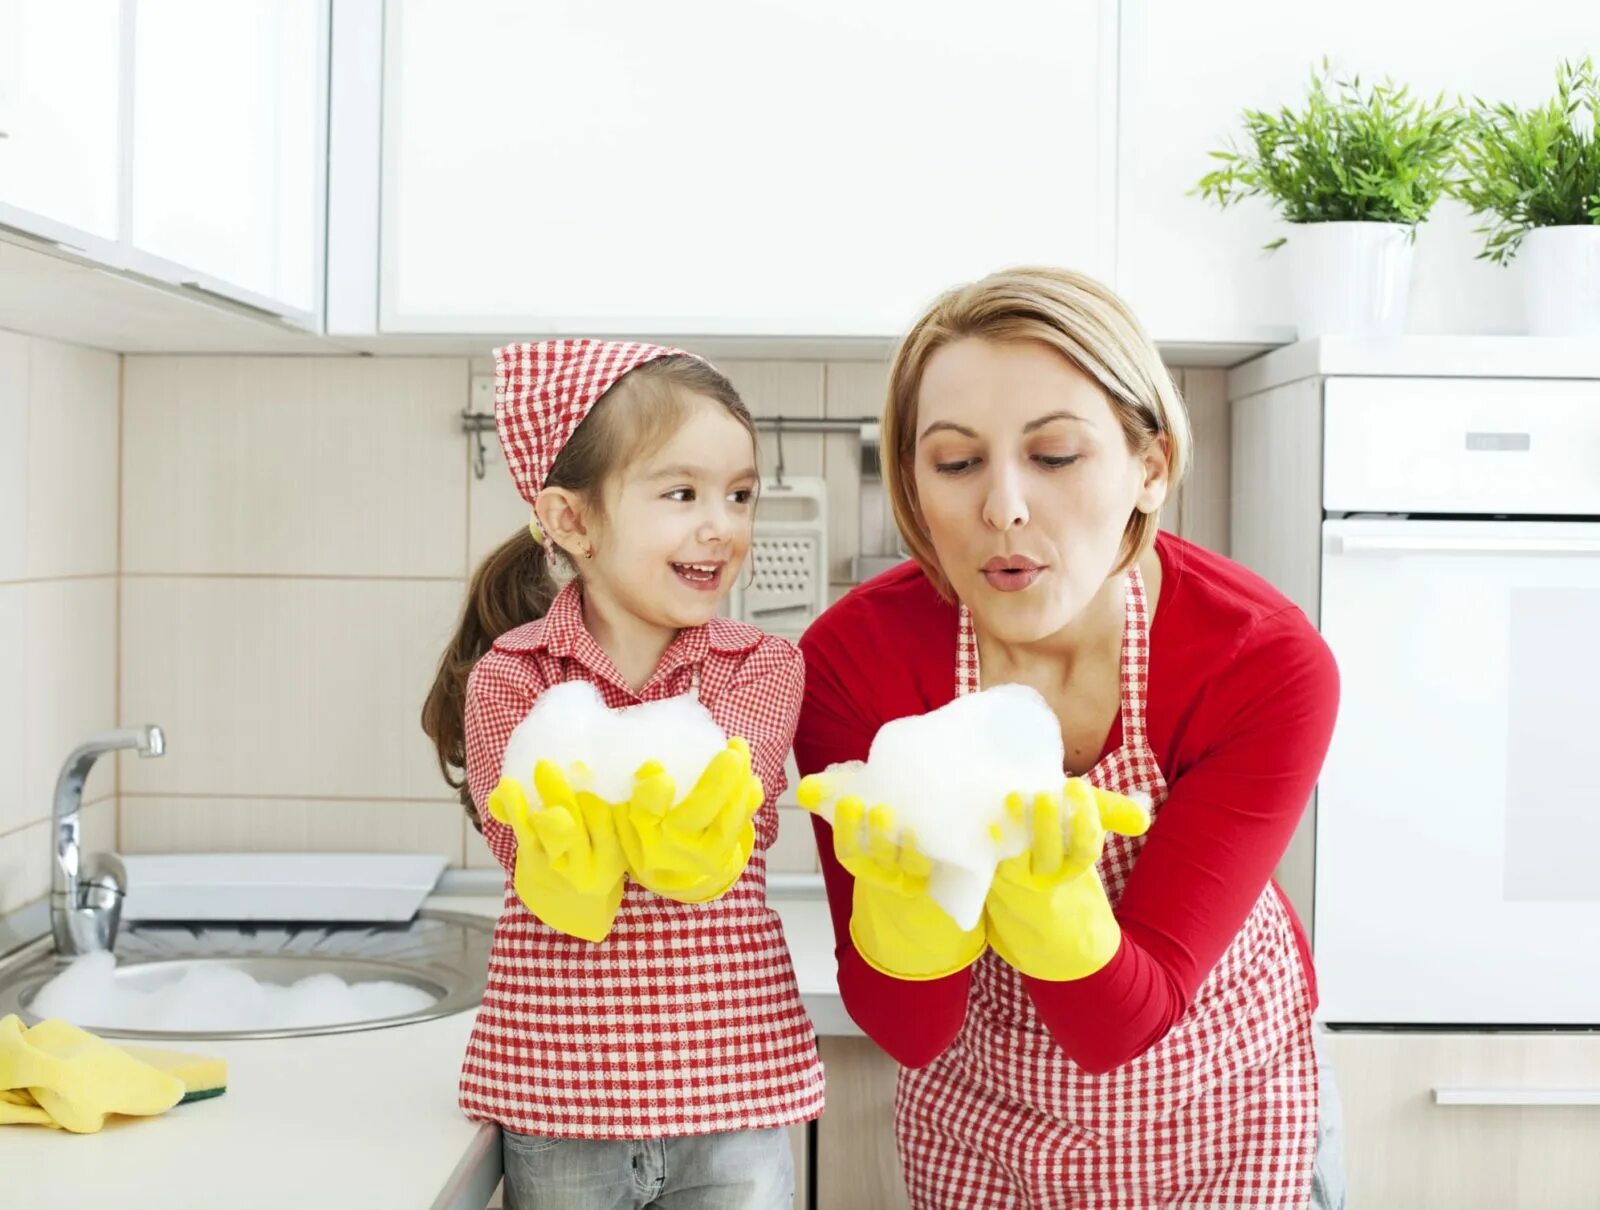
(214, 996)
(571, 723)
(946, 775)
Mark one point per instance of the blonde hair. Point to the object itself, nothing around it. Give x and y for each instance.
(1083, 321)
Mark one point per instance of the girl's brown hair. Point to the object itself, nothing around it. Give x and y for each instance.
(516, 583)
(1083, 321)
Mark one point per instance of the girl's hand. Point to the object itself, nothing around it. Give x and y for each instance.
(570, 866)
(692, 850)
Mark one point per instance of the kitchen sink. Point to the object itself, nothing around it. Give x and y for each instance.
(445, 954)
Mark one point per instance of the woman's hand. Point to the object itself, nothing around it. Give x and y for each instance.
(692, 850)
(896, 926)
(569, 868)
(1047, 914)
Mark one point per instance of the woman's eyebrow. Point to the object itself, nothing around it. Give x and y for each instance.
(939, 426)
(1050, 419)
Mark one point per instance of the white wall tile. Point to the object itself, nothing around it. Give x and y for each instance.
(16, 808)
(24, 866)
(295, 466)
(25, 855)
(99, 827)
(72, 460)
(478, 856)
(295, 825)
(71, 679)
(855, 389)
(494, 509)
(284, 688)
(782, 388)
(13, 456)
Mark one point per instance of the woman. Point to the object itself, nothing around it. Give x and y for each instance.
(1146, 1037)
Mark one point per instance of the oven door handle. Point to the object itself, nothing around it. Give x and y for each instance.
(1516, 1096)
(1394, 544)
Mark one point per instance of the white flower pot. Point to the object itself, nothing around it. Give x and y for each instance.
(1349, 278)
(1560, 269)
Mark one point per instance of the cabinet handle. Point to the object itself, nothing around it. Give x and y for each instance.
(1350, 544)
(1516, 1096)
(230, 301)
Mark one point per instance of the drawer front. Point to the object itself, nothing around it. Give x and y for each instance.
(1470, 1121)
(1473, 446)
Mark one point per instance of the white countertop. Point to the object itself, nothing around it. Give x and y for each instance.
(1418, 357)
(346, 1121)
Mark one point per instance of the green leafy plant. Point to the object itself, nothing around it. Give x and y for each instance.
(1377, 155)
(1536, 167)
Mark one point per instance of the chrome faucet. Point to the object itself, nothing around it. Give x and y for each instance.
(86, 897)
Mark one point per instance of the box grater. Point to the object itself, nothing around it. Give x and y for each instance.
(784, 586)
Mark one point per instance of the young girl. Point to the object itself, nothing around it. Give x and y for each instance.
(660, 1065)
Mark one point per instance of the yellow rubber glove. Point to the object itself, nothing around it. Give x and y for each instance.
(56, 1074)
(570, 865)
(896, 926)
(1047, 914)
(692, 850)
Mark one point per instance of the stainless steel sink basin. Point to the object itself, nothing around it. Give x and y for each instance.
(444, 953)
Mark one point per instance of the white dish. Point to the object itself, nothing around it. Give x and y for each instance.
(279, 886)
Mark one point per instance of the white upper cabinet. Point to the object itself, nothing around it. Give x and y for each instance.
(60, 117)
(1188, 70)
(228, 125)
(183, 141)
(765, 167)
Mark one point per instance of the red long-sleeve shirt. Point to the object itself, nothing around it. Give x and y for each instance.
(1240, 708)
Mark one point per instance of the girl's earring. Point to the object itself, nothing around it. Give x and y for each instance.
(588, 552)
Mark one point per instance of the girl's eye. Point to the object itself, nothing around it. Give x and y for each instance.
(955, 468)
(743, 496)
(1055, 462)
(683, 495)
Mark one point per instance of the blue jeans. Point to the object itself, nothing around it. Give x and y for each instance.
(1327, 1176)
(740, 1170)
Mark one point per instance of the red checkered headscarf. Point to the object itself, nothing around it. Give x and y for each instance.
(543, 391)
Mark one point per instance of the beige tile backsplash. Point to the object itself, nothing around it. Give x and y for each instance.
(294, 466)
(283, 687)
(59, 426)
(296, 535)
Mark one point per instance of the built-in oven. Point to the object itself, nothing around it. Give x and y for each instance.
(1458, 820)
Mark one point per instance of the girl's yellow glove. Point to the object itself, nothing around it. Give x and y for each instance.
(896, 926)
(1047, 914)
(692, 850)
(570, 865)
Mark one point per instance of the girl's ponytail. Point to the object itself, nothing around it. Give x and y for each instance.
(512, 587)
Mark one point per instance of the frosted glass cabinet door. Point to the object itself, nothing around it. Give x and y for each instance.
(60, 85)
(228, 122)
(816, 167)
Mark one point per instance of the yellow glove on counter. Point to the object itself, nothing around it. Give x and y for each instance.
(692, 850)
(1047, 914)
(56, 1074)
(570, 865)
(896, 926)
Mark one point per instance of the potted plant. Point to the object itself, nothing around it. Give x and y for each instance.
(1354, 171)
(1536, 174)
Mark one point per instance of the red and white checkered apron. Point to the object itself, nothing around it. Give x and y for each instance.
(687, 1018)
(1221, 1113)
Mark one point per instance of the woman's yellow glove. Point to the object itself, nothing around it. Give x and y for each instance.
(570, 864)
(692, 850)
(1047, 914)
(896, 926)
